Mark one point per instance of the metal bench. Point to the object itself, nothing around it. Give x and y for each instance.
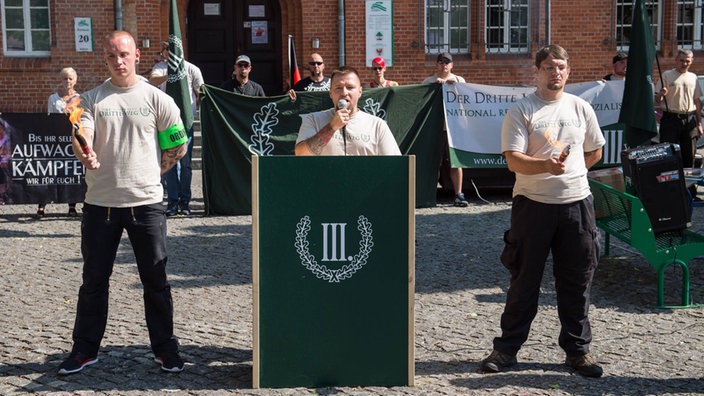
(622, 215)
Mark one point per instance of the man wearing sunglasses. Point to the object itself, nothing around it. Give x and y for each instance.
(443, 75)
(240, 82)
(316, 81)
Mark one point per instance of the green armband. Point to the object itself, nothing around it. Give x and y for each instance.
(173, 136)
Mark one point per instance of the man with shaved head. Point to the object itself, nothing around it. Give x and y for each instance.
(132, 133)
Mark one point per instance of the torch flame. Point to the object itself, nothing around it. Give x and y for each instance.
(554, 143)
(74, 111)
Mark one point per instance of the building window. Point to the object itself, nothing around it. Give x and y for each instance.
(624, 20)
(689, 24)
(447, 26)
(507, 26)
(25, 28)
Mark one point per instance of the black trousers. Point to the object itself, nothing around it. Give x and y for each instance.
(569, 232)
(680, 129)
(101, 231)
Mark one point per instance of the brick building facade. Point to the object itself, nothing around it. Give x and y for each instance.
(585, 29)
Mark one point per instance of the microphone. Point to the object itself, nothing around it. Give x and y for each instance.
(343, 104)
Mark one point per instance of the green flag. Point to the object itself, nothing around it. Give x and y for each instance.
(177, 83)
(235, 127)
(637, 109)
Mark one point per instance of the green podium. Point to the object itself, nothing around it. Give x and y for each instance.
(333, 242)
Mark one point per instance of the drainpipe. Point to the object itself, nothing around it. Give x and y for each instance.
(547, 22)
(341, 30)
(118, 15)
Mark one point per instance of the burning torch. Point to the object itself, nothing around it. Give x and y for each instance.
(74, 115)
(555, 144)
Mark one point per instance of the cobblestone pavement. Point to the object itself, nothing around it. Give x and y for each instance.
(460, 290)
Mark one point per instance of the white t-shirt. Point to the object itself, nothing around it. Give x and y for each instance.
(194, 76)
(125, 123)
(540, 129)
(57, 104)
(365, 134)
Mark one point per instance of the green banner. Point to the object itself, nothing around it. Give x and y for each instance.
(235, 127)
(333, 264)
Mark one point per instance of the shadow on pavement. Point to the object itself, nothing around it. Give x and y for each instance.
(132, 368)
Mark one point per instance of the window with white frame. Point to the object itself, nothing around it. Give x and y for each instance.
(689, 24)
(25, 28)
(624, 20)
(447, 26)
(507, 26)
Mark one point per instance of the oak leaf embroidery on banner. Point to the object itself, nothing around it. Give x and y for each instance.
(262, 128)
(374, 108)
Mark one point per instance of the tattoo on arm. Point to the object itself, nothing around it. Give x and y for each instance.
(170, 157)
(317, 142)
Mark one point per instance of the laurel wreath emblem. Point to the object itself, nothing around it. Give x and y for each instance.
(321, 271)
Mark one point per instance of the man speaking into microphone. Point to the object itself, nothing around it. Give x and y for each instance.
(343, 129)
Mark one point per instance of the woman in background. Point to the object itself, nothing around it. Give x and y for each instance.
(58, 100)
(379, 68)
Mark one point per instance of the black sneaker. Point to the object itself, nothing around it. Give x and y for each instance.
(185, 211)
(75, 363)
(496, 361)
(170, 362)
(461, 201)
(171, 210)
(585, 365)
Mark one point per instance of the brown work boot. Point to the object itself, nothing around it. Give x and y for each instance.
(585, 365)
(496, 361)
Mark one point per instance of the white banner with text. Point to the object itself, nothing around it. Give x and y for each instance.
(474, 114)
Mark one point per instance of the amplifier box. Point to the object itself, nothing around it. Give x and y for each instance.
(655, 175)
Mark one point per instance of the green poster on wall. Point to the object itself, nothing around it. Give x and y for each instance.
(333, 271)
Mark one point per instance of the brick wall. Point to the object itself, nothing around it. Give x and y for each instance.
(585, 29)
(28, 82)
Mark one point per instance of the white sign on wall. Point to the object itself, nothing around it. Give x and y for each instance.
(380, 31)
(83, 30)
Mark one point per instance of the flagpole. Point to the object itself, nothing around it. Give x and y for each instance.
(657, 62)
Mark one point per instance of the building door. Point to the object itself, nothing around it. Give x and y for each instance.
(221, 30)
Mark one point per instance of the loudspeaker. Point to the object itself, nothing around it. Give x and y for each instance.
(654, 174)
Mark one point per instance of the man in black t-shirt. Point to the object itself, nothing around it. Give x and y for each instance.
(316, 81)
(240, 82)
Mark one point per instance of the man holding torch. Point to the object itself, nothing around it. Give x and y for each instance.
(550, 138)
(133, 134)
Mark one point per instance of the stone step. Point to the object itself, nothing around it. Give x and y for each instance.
(197, 157)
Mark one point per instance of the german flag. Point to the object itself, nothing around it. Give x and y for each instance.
(294, 72)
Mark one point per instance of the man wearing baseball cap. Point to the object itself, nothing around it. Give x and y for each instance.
(379, 68)
(240, 82)
(619, 64)
(443, 75)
